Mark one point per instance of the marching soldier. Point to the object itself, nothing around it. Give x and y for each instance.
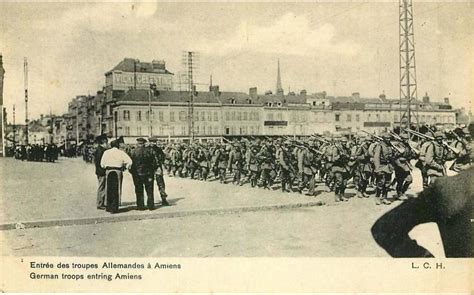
(402, 166)
(383, 169)
(462, 144)
(252, 165)
(265, 159)
(339, 170)
(285, 166)
(222, 160)
(236, 160)
(436, 156)
(364, 167)
(204, 162)
(421, 163)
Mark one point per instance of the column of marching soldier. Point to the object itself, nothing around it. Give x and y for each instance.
(36, 152)
(298, 165)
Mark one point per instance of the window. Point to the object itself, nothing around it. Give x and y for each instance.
(245, 116)
(183, 130)
(349, 118)
(127, 131)
(171, 116)
(126, 115)
(257, 130)
(203, 116)
(139, 115)
(209, 116)
(204, 130)
(139, 131)
(252, 130)
(337, 117)
(171, 130)
(182, 116)
(197, 129)
(216, 130)
(227, 116)
(160, 115)
(162, 130)
(216, 116)
(357, 117)
(270, 116)
(377, 117)
(233, 116)
(279, 117)
(239, 116)
(227, 130)
(196, 116)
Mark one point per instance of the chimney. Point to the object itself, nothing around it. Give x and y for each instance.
(215, 89)
(426, 98)
(446, 100)
(303, 92)
(253, 92)
(356, 95)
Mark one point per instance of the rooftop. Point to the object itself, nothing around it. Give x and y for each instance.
(135, 65)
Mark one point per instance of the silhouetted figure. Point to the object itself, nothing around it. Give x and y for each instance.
(448, 202)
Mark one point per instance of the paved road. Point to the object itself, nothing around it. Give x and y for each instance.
(332, 230)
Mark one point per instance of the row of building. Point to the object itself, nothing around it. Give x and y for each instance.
(127, 106)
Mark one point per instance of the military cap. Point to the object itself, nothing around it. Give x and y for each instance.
(439, 134)
(153, 139)
(120, 140)
(141, 140)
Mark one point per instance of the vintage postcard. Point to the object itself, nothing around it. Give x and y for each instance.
(236, 146)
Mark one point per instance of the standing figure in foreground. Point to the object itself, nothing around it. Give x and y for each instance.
(101, 142)
(114, 161)
(143, 169)
(159, 172)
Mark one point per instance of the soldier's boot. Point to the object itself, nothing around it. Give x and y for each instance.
(377, 197)
(385, 199)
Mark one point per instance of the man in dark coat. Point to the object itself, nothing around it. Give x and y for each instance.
(143, 172)
(448, 202)
(159, 172)
(101, 142)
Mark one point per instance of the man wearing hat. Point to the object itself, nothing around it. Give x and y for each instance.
(436, 156)
(253, 166)
(383, 155)
(339, 159)
(364, 166)
(101, 145)
(421, 163)
(143, 170)
(284, 160)
(159, 172)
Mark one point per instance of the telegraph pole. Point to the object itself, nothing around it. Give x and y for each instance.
(408, 86)
(25, 72)
(14, 130)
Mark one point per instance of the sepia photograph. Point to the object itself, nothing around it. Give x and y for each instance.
(235, 130)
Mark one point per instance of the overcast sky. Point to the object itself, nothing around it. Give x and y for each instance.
(339, 48)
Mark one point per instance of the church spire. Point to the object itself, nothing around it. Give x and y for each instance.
(279, 87)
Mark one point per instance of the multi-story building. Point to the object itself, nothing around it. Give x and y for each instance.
(3, 120)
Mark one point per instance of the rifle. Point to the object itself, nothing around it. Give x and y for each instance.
(424, 136)
(318, 138)
(302, 144)
(399, 150)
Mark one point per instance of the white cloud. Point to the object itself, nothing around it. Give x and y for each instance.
(289, 34)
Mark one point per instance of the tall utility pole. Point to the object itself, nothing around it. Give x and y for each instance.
(14, 130)
(408, 89)
(26, 99)
(189, 59)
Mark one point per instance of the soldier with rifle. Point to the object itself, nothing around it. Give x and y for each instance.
(383, 154)
(236, 163)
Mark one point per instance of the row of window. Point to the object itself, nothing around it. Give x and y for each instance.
(385, 117)
(171, 130)
(181, 115)
(242, 130)
(242, 116)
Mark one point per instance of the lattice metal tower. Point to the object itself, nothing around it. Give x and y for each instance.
(190, 61)
(408, 87)
(25, 78)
